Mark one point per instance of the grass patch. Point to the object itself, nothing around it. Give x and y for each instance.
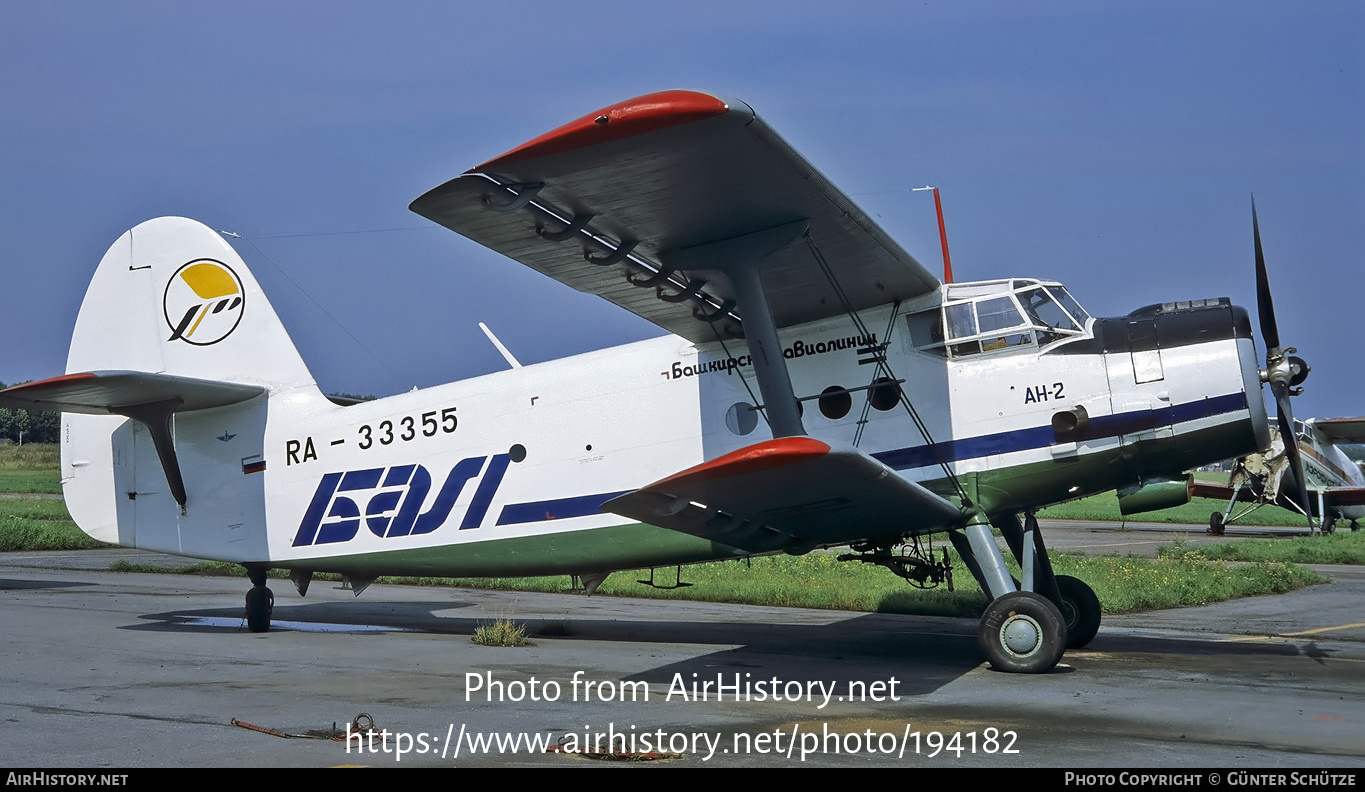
(1123, 584)
(1126, 584)
(503, 632)
(36, 482)
(30, 468)
(1105, 507)
(34, 456)
(40, 524)
(204, 568)
(1341, 547)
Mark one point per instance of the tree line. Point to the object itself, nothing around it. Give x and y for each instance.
(30, 426)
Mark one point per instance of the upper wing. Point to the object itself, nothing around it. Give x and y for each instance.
(1341, 430)
(793, 493)
(614, 193)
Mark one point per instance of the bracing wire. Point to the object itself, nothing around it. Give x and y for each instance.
(883, 366)
(320, 307)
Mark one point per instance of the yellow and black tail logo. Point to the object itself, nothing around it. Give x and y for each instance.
(204, 302)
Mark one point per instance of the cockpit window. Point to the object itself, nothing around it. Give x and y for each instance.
(1045, 311)
(1049, 319)
(996, 315)
(961, 320)
(1072, 307)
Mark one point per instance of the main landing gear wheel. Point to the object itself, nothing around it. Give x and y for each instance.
(1080, 611)
(1023, 633)
(260, 603)
(1216, 524)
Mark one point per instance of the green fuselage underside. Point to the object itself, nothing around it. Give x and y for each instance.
(637, 545)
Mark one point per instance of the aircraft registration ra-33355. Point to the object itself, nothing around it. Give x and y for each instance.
(817, 388)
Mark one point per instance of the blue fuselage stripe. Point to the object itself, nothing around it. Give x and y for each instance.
(558, 509)
(1101, 426)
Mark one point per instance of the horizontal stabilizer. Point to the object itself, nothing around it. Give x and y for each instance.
(111, 392)
(793, 494)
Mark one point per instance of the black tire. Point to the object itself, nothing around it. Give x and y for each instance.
(1022, 633)
(1080, 611)
(1329, 525)
(260, 604)
(1216, 524)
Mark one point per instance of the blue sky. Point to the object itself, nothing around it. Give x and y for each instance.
(1111, 146)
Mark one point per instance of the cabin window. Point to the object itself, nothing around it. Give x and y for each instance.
(991, 324)
(835, 402)
(926, 331)
(741, 418)
(994, 316)
(884, 394)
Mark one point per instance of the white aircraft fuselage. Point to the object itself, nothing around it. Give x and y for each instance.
(819, 388)
(505, 474)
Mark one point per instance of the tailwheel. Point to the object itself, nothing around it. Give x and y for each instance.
(1216, 524)
(1023, 633)
(1080, 611)
(260, 604)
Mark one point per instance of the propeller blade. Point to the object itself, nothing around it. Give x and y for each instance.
(1265, 304)
(1282, 372)
(1291, 445)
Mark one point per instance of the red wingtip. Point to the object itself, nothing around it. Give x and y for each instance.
(63, 379)
(632, 117)
(755, 459)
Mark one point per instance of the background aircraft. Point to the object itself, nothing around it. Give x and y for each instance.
(1335, 484)
(819, 388)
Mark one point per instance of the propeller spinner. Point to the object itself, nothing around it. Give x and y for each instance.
(1283, 371)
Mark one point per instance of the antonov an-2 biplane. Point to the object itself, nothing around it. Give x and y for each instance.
(1333, 485)
(818, 388)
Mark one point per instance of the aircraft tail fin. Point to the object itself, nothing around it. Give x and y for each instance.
(172, 296)
(174, 361)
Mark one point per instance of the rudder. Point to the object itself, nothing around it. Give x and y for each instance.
(173, 315)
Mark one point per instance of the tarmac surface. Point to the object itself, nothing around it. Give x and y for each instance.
(123, 670)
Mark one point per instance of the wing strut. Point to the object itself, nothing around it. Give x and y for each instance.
(742, 259)
(156, 416)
